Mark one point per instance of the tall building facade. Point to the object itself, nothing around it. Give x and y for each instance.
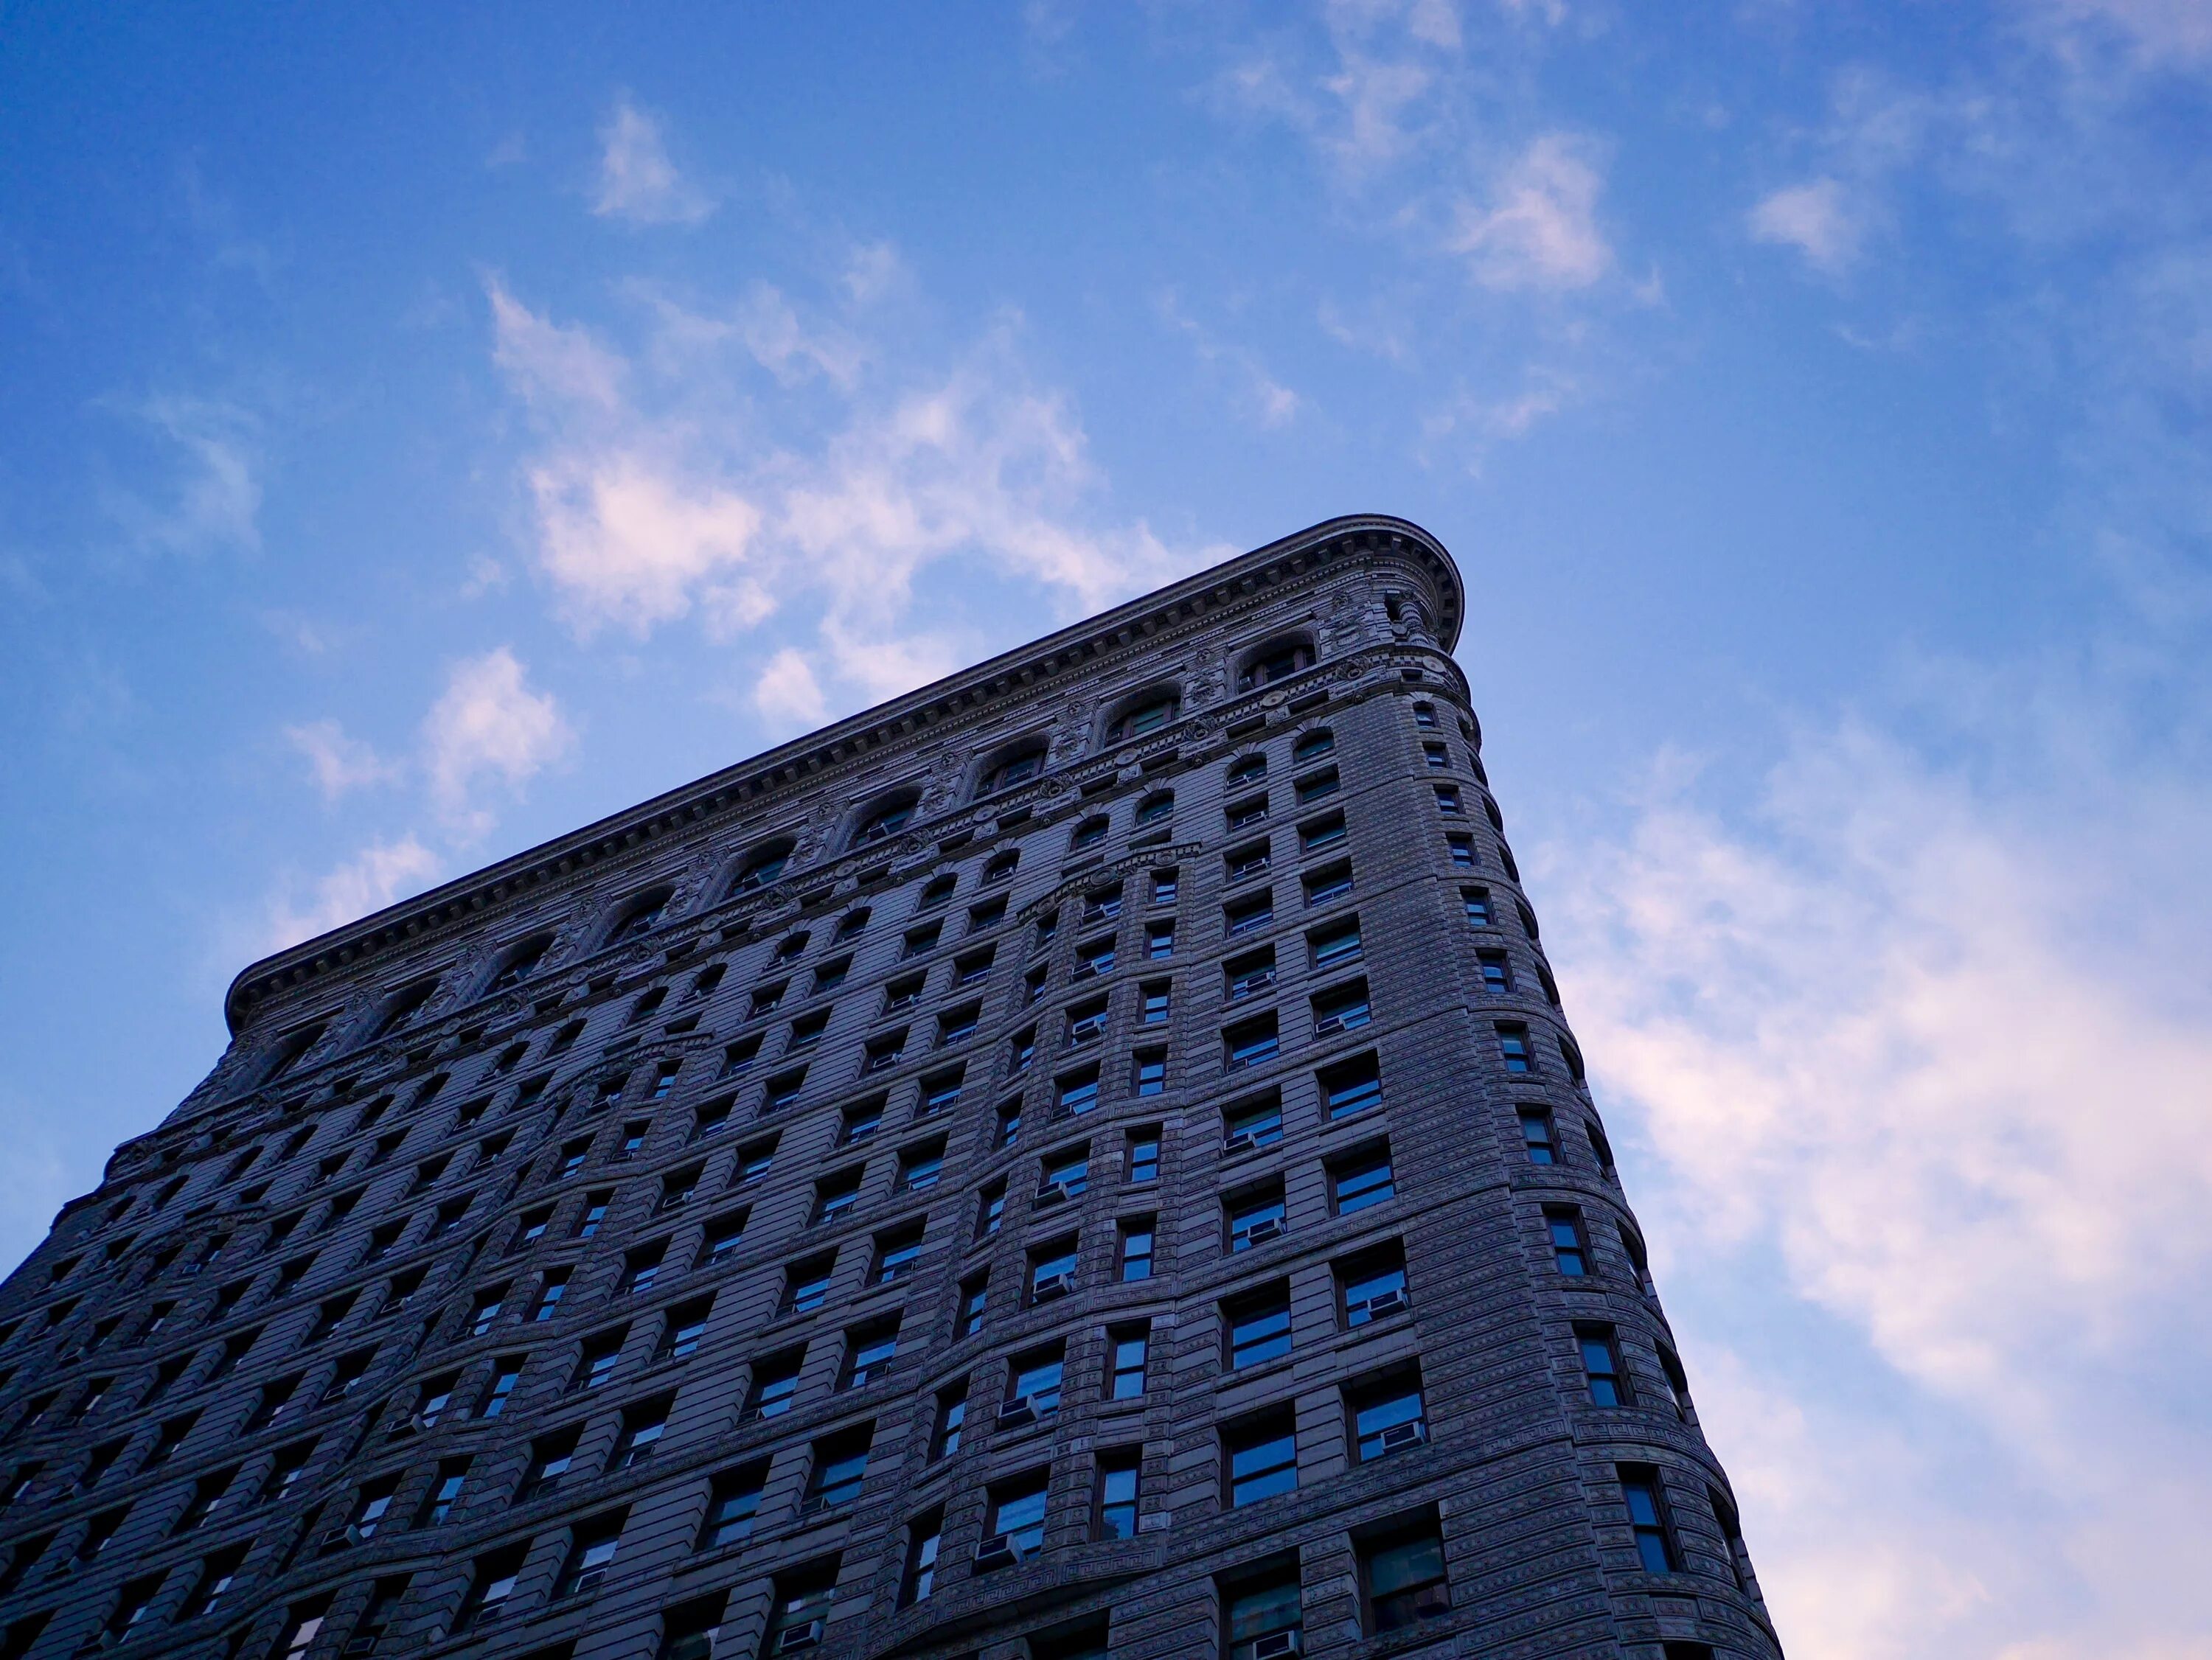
(1084, 1159)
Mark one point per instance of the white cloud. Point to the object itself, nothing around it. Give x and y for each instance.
(1272, 403)
(787, 693)
(2175, 33)
(214, 498)
(379, 875)
(339, 763)
(1538, 229)
(554, 368)
(488, 722)
(1816, 218)
(628, 538)
(1927, 1051)
(637, 181)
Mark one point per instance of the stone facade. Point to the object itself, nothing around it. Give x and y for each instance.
(1134, 1054)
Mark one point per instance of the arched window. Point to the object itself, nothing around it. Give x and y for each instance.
(1279, 659)
(1089, 833)
(1248, 769)
(791, 946)
(642, 916)
(1156, 806)
(887, 819)
(1147, 712)
(1313, 746)
(1008, 771)
(762, 867)
(520, 964)
(295, 1045)
(853, 922)
(402, 1009)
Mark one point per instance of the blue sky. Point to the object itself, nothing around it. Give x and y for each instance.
(424, 434)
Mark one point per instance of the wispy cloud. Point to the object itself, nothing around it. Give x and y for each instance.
(1816, 218)
(1536, 228)
(786, 692)
(488, 723)
(339, 763)
(213, 498)
(379, 875)
(1272, 402)
(637, 181)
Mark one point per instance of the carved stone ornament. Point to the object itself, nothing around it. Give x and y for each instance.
(1350, 668)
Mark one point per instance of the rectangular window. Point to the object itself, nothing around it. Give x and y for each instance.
(1157, 1002)
(1242, 814)
(1165, 883)
(776, 1381)
(1243, 864)
(1116, 1503)
(683, 1331)
(1316, 835)
(1350, 1087)
(1462, 851)
(922, 939)
(1403, 1574)
(1051, 1270)
(952, 1419)
(1148, 1072)
(1261, 1459)
(1159, 941)
(1252, 1043)
(841, 1463)
(870, 1351)
(1372, 1287)
(1262, 1617)
(1600, 1352)
(1341, 1009)
(799, 1613)
(898, 1254)
(591, 1548)
(641, 1268)
(1016, 1523)
(1448, 802)
(990, 1209)
(1128, 1347)
(1255, 1217)
(1250, 916)
(989, 914)
(1477, 902)
(1078, 1092)
(1252, 1123)
(1388, 1416)
(1258, 1326)
(923, 1539)
(1497, 974)
(1570, 1250)
(1647, 1521)
(1315, 786)
(975, 966)
(1094, 958)
(1513, 1049)
(1142, 1163)
(1033, 1384)
(643, 1427)
(594, 1367)
(782, 1090)
(1021, 1049)
(1361, 1178)
(958, 1025)
(1248, 975)
(752, 1162)
(1331, 882)
(974, 1299)
(1536, 1135)
(1066, 1174)
(921, 1166)
(733, 1505)
(834, 1196)
(1136, 1251)
(550, 1457)
(1086, 1022)
(507, 1372)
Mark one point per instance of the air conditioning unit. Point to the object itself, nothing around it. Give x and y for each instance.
(1399, 1437)
(995, 1552)
(1276, 1643)
(1261, 1231)
(1242, 1141)
(339, 1538)
(1052, 1193)
(1382, 1303)
(797, 1639)
(1052, 1285)
(1327, 1024)
(1016, 1413)
(365, 1640)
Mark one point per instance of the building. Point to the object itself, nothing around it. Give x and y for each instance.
(1085, 1158)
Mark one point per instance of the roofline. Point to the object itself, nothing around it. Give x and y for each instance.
(718, 791)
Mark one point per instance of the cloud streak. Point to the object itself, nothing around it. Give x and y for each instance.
(637, 181)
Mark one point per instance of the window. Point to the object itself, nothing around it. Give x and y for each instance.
(687, 1631)
(641, 1268)
(1094, 958)
(1570, 1250)
(1261, 1615)
(1165, 884)
(974, 966)
(1017, 769)
(1045, 931)
(1252, 1124)
(1403, 1575)
(919, 1166)
(1147, 716)
(1388, 1416)
(283, 1472)
(737, 1056)
(886, 821)
(1102, 905)
(1248, 915)
(593, 1213)
(1001, 867)
(1021, 1049)
(1142, 1159)
(506, 1373)
(1600, 1352)
(1262, 1458)
(1077, 1091)
(1536, 1135)
(1315, 786)
(1316, 835)
(1341, 1009)
(1258, 1326)
(550, 1289)
(1115, 1499)
(1372, 1286)
(1332, 882)
(1127, 1350)
(596, 1365)
(1243, 864)
(884, 1052)
(528, 1231)
(805, 1286)
(550, 1458)
(920, 941)
(1497, 974)
(801, 1612)
(762, 868)
(684, 1330)
(1253, 1043)
(724, 1237)
(841, 1463)
(207, 1492)
(1159, 941)
(1255, 1216)
(1010, 1123)
(733, 1504)
(1461, 849)
(834, 1196)
(776, 1381)
(1448, 801)
(1148, 1072)
(951, 1417)
(1066, 1174)
(833, 973)
(806, 1031)
(870, 1351)
(1244, 815)
(753, 1162)
(1086, 1021)
(445, 1492)
(591, 1546)
(1477, 903)
(1136, 1249)
(1033, 1384)
(1052, 1270)
(1245, 770)
(1361, 1178)
(1312, 747)
(1678, 1383)
(1017, 1523)
(1033, 985)
(903, 994)
(924, 1536)
(1513, 1049)
(1648, 1520)
(642, 1426)
(896, 1255)
(990, 1209)
(940, 1092)
(490, 1586)
(632, 1140)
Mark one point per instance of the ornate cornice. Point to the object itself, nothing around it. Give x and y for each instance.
(751, 789)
